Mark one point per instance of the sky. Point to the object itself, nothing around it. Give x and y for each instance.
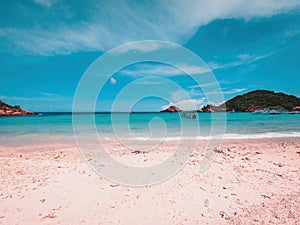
(47, 45)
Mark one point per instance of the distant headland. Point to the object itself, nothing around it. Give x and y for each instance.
(8, 110)
(251, 102)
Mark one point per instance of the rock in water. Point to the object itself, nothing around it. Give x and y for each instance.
(172, 109)
(8, 110)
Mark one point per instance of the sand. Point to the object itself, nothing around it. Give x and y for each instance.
(250, 182)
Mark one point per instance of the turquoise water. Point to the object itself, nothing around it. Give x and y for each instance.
(49, 127)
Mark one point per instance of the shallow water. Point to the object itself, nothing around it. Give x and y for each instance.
(58, 127)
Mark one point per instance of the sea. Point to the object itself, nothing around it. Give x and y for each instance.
(66, 127)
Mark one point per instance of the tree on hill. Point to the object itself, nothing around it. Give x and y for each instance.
(3, 105)
(262, 99)
(8, 110)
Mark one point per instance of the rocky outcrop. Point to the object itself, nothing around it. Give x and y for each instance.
(172, 109)
(8, 110)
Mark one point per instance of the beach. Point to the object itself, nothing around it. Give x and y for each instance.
(251, 181)
(149, 112)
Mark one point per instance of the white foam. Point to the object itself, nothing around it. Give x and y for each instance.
(263, 135)
(225, 137)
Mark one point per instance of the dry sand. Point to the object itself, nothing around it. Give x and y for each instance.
(250, 182)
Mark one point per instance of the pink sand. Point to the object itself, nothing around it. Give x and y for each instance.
(250, 182)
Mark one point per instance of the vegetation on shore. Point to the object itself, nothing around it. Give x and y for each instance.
(8, 110)
(261, 99)
(251, 101)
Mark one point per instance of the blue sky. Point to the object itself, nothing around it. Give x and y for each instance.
(46, 45)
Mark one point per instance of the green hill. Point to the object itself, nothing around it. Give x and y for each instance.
(262, 99)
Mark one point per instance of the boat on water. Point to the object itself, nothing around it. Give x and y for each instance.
(189, 114)
(261, 111)
(294, 112)
(231, 111)
(270, 111)
(275, 112)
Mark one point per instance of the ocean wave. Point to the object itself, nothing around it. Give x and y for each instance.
(232, 136)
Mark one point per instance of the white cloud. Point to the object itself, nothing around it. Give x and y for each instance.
(231, 91)
(192, 69)
(248, 58)
(185, 100)
(292, 33)
(204, 85)
(182, 94)
(164, 70)
(141, 47)
(113, 80)
(181, 98)
(242, 59)
(39, 99)
(150, 82)
(47, 94)
(190, 104)
(179, 95)
(45, 3)
(129, 21)
(186, 104)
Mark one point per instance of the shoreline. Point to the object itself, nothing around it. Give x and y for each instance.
(46, 146)
(247, 183)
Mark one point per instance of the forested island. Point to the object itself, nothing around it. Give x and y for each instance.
(261, 99)
(252, 101)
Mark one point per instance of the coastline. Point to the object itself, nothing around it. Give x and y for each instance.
(247, 183)
(149, 113)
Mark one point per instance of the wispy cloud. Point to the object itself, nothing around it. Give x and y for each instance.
(45, 97)
(204, 85)
(229, 91)
(242, 59)
(146, 46)
(292, 33)
(46, 94)
(249, 58)
(181, 94)
(233, 91)
(20, 98)
(193, 103)
(45, 3)
(164, 70)
(41, 102)
(148, 82)
(128, 21)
